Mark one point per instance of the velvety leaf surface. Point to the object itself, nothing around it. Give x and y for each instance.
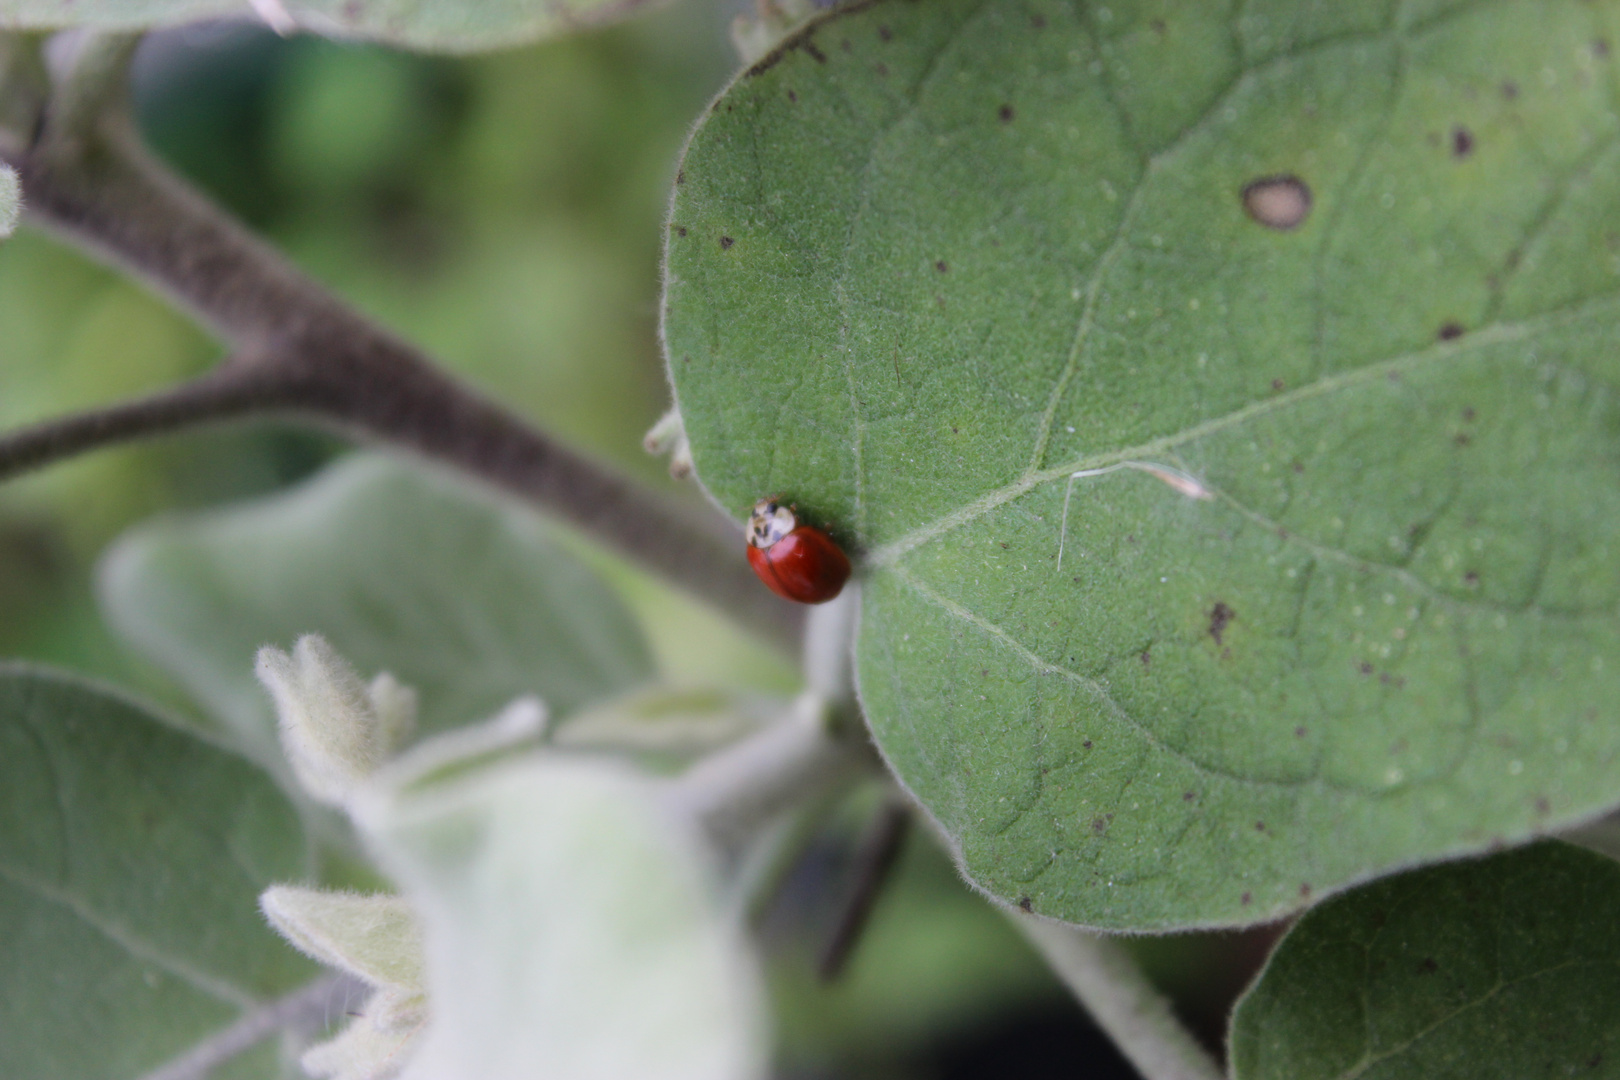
(461, 597)
(437, 25)
(573, 930)
(1350, 266)
(131, 859)
(1508, 966)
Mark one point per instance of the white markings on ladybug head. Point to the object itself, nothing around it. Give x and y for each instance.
(1183, 482)
(770, 522)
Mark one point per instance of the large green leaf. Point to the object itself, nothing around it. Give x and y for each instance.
(928, 260)
(466, 599)
(438, 25)
(131, 860)
(1509, 966)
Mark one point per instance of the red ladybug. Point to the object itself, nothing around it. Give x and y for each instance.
(796, 562)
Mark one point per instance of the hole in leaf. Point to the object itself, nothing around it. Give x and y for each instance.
(1277, 202)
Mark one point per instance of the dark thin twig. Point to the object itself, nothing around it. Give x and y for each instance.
(318, 361)
(875, 859)
(220, 395)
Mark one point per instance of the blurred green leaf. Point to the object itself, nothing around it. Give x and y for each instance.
(1502, 967)
(434, 25)
(131, 859)
(572, 928)
(463, 597)
(928, 260)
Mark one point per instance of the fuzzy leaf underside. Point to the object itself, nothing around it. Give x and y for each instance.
(927, 260)
(468, 601)
(1508, 966)
(131, 860)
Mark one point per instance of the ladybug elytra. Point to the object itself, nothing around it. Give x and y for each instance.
(796, 562)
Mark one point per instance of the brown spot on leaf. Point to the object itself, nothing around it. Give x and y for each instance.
(1428, 966)
(1510, 89)
(1471, 579)
(1462, 142)
(1188, 796)
(680, 230)
(1365, 668)
(1006, 114)
(1038, 21)
(1543, 806)
(883, 71)
(941, 267)
(885, 34)
(1220, 616)
(1259, 826)
(793, 97)
(1450, 331)
(1461, 438)
(1299, 733)
(1468, 414)
(1305, 888)
(1600, 48)
(726, 242)
(680, 177)
(809, 46)
(1277, 384)
(1248, 898)
(1086, 744)
(1026, 904)
(1277, 202)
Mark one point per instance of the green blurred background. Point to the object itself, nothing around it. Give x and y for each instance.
(504, 211)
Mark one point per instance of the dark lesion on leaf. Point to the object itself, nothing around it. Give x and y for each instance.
(726, 242)
(1005, 113)
(1462, 142)
(1278, 202)
(1026, 904)
(1450, 330)
(1220, 617)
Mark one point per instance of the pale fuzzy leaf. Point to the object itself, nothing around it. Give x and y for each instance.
(436, 25)
(572, 931)
(463, 597)
(395, 705)
(1337, 278)
(375, 937)
(375, 1045)
(329, 726)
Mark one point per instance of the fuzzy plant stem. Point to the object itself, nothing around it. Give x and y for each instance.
(303, 354)
(1113, 989)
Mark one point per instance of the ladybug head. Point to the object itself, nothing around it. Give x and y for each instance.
(770, 522)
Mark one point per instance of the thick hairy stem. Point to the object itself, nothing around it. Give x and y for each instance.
(1112, 988)
(317, 360)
